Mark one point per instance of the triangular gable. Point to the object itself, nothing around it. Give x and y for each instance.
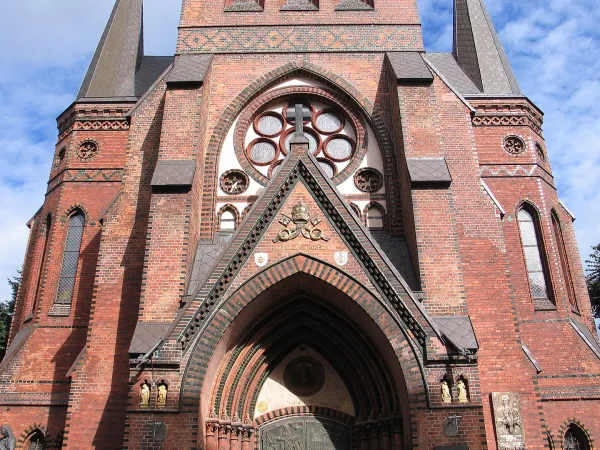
(302, 167)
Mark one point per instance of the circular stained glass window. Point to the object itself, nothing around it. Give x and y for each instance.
(314, 142)
(339, 147)
(328, 121)
(327, 167)
(262, 151)
(269, 124)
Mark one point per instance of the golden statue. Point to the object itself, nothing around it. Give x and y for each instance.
(161, 399)
(462, 392)
(446, 397)
(144, 395)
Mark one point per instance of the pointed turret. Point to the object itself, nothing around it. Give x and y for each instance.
(119, 54)
(478, 50)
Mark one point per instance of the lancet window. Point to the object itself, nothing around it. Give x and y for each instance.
(535, 260)
(70, 262)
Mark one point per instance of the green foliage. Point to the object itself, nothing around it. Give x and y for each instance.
(593, 279)
(6, 310)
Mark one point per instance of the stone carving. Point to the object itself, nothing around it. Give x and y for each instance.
(87, 150)
(446, 397)
(304, 376)
(514, 145)
(463, 396)
(368, 180)
(234, 182)
(144, 395)
(161, 398)
(8, 441)
(301, 223)
(508, 421)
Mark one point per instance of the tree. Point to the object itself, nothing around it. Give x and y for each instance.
(593, 279)
(6, 310)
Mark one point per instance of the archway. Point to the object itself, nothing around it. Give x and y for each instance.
(305, 325)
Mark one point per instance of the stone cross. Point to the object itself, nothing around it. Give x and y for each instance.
(299, 113)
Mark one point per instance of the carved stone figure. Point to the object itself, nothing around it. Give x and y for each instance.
(462, 392)
(144, 395)
(161, 399)
(508, 420)
(446, 397)
(8, 441)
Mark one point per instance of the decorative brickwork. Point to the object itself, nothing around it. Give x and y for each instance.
(413, 273)
(348, 38)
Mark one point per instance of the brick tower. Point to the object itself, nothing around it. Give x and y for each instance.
(302, 232)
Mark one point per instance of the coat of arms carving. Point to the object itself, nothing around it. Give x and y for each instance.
(300, 224)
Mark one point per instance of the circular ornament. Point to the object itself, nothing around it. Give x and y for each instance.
(304, 376)
(339, 147)
(540, 151)
(314, 141)
(269, 124)
(234, 182)
(328, 167)
(368, 180)
(262, 407)
(328, 121)
(87, 149)
(514, 145)
(262, 151)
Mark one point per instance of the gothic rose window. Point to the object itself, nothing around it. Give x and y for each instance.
(331, 135)
(533, 252)
(68, 271)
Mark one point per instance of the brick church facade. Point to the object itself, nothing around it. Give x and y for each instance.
(302, 231)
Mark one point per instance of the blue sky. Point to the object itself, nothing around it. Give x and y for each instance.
(46, 45)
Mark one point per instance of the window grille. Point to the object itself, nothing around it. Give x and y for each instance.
(534, 258)
(68, 271)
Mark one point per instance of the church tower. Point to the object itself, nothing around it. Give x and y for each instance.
(301, 231)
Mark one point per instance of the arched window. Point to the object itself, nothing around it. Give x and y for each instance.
(576, 439)
(227, 219)
(374, 216)
(356, 209)
(36, 441)
(534, 257)
(48, 225)
(564, 261)
(68, 271)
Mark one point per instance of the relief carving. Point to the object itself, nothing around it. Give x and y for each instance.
(8, 441)
(301, 223)
(508, 421)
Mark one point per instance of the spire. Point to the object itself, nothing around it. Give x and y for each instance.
(119, 54)
(478, 50)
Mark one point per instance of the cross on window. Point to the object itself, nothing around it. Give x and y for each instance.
(298, 114)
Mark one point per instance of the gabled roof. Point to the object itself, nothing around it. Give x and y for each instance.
(301, 167)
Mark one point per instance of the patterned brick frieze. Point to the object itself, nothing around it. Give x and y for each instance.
(513, 112)
(94, 125)
(349, 38)
(86, 175)
(516, 170)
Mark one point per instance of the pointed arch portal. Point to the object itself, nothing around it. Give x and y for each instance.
(310, 326)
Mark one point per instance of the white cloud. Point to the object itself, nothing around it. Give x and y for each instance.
(39, 78)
